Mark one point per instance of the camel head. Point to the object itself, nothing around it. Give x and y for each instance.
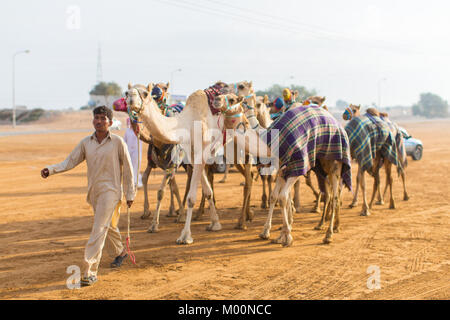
(262, 111)
(384, 115)
(230, 106)
(160, 92)
(351, 111)
(373, 112)
(316, 100)
(226, 102)
(137, 96)
(244, 88)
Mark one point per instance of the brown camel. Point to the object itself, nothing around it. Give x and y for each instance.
(282, 191)
(367, 133)
(354, 111)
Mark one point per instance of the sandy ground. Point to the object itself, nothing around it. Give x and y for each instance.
(44, 225)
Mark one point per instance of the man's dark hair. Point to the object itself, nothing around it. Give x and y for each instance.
(104, 110)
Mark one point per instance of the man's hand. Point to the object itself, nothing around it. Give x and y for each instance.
(45, 173)
(129, 203)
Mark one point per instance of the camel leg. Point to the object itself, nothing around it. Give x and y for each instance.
(225, 175)
(155, 222)
(210, 175)
(405, 193)
(186, 235)
(208, 192)
(382, 197)
(319, 195)
(358, 182)
(269, 184)
(297, 196)
(174, 187)
(388, 167)
(376, 184)
(189, 171)
(171, 212)
(201, 209)
(273, 200)
(249, 214)
(335, 174)
(285, 237)
(311, 186)
(291, 209)
(264, 199)
(337, 221)
(145, 176)
(245, 213)
(240, 168)
(182, 218)
(365, 207)
(326, 204)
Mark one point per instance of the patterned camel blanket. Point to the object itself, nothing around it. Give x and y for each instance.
(367, 135)
(401, 150)
(307, 134)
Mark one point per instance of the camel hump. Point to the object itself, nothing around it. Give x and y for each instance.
(198, 101)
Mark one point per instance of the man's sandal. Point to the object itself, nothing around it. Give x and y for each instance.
(89, 281)
(118, 261)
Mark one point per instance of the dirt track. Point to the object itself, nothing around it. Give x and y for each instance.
(46, 223)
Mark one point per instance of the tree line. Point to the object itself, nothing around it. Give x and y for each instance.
(430, 105)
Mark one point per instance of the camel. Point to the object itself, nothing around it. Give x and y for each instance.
(262, 114)
(162, 156)
(196, 129)
(373, 145)
(402, 154)
(159, 155)
(333, 166)
(354, 111)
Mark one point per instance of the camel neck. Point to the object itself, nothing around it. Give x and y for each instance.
(161, 128)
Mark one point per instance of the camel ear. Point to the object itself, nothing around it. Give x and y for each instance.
(323, 99)
(250, 84)
(266, 99)
(150, 88)
(130, 85)
(358, 106)
(168, 85)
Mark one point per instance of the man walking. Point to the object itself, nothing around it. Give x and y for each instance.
(108, 161)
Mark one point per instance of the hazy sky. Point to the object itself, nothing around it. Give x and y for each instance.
(340, 48)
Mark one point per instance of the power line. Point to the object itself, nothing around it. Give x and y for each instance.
(291, 27)
(209, 11)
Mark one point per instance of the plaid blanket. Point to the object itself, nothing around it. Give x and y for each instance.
(367, 135)
(401, 150)
(307, 134)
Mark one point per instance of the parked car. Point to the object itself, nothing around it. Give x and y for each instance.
(116, 125)
(413, 146)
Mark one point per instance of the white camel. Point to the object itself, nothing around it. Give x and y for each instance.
(198, 132)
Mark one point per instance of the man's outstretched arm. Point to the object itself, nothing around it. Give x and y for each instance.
(75, 158)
